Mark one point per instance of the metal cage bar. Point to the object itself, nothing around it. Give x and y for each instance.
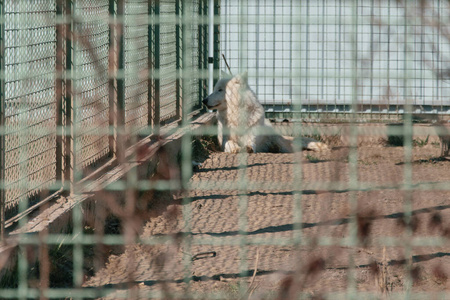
(2, 123)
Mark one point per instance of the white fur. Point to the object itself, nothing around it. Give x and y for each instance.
(241, 123)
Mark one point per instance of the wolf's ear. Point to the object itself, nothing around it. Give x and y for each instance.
(242, 78)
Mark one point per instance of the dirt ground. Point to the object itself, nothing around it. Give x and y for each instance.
(245, 236)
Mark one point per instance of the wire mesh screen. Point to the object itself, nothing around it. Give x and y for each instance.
(90, 84)
(178, 215)
(193, 55)
(203, 44)
(167, 60)
(301, 52)
(136, 65)
(59, 59)
(29, 105)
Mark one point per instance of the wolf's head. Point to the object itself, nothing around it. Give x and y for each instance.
(226, 89)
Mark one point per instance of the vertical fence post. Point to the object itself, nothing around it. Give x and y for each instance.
(2, 121)
(205, 48)
(211, 44)
(216, 41)
(68, 137)
(112, 64)
(154, 64)
(179, 38)
(213, 32)
(150, 62)
(120, 79)
(157, 66)
(200, 53)
(60, 36)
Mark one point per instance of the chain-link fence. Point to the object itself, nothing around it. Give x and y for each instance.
(110, 191)
(90, 99)
(28, 99)
(84, 80)
(136, 41)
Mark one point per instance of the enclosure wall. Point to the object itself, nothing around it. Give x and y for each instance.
(320, 57)
(78, 76)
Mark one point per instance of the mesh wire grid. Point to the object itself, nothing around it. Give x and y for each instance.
(223, 211)
(203, 49)
(167, 60)
(29, 98)
(302, 53)
(30, 107)
(196, 59)
(136, 65)
(90, 84)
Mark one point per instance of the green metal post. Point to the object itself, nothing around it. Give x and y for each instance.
(2, 121)
(154, 64)
(120, 78)
(203, 49)
(180, 48)
(72, 126)
(68, 138)
(185, 17)
(216, 41)
(112, 83)
(200, 52)
(60, 36)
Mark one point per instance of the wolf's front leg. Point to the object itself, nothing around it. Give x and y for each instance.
(231, 147)
(225, 143)
(251, 142)
(220, 137)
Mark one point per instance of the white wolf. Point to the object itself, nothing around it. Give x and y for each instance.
(241, 123)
